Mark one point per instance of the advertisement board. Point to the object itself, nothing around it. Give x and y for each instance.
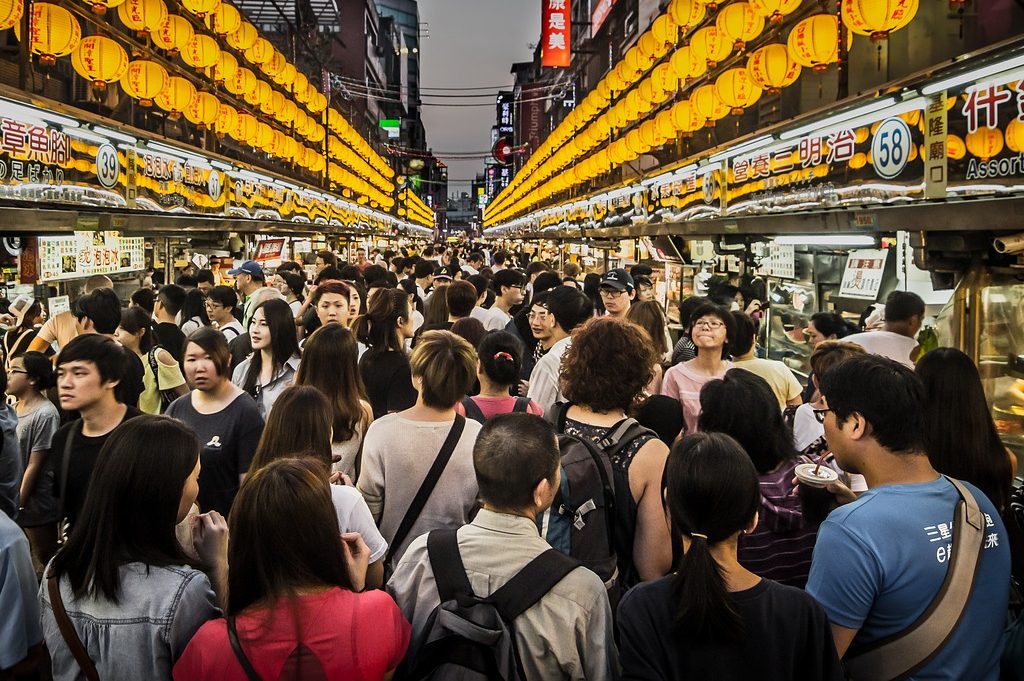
(83, 254)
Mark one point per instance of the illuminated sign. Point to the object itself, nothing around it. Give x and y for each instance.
(600, 12)
(83, 254)
(556, 33)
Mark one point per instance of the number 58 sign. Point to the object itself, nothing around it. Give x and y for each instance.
(890, 147)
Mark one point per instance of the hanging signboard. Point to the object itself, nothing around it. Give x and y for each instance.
(83, 254)
(556, 33)
(269, 249)
(862, 277)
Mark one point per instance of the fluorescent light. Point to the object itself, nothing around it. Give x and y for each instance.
(222, 166)
(973, 75)
(187, 155)
(871, 107)
(83, 134)
(16, 110)
(114, 134)
(827, 240)
(739, 149)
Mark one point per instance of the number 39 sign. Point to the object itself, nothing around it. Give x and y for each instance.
(890, 148)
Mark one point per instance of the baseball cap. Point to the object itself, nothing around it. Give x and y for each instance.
(442, 273)
(20, 306)
(250, 267)
(618, 279)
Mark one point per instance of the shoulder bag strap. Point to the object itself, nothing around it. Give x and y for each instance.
(903, 654)
(154, 366)
(561, 412)
(69, 444)
(532, 583)
(622, 434)
(472, 409)
(67, 630)
(429, 483)
(239, 653)
(522, 404)
(447, 566)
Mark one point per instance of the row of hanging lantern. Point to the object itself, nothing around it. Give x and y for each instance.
(579, 150)
(100, 59)
(414, 209)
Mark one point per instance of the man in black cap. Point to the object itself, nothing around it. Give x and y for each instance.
(617, 292)
(249, 278)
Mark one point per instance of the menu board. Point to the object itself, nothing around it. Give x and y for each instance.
(83, 254)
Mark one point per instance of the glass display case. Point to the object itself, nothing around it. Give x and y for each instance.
(782, 334)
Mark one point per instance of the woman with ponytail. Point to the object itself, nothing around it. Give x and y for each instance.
(499, 361)
(714, 618)
(384, 367)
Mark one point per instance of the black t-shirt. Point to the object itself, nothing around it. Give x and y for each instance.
(84, 452)
(228, 440)
(388, 380)
(171, 339)
(787, 636)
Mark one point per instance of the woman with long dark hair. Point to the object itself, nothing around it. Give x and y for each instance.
(28, 316)
(384, 366)
(330, 363)
(193, 312)
(714, 618)
(161, 374)
(960, 437)
(295, 609)
(121, 580)
(275, 358)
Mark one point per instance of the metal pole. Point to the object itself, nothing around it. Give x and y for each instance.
(168, 263)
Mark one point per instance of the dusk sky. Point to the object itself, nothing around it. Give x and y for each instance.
(472, 43)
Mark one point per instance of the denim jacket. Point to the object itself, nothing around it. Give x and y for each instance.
(267, 394)
(143, 635)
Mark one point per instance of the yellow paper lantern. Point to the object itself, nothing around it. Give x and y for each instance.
(274, 65)
(203, 110)
(686, 64)
(877, 18)
(740, 23)
(772, 68)
(176, 97)
(260, 94)
(225, 68)
(985, 142)
(276, 103)
(686, 13)
(636, 144)
(737, 90)
(264, 136)
(200, 7)
(665, 29)
(246, 128)
(651, 46)
(775, 10)
(287, 75)
(53, 32)
(1015, 136)
(858, 160)
(100, 7)
(173, 34)
(664, 80)
(707, 104)
(299, 87)
(244, 81)
(710, 44)
(955, 147)
(144, 80)
(260, 52)
(318, 102)
(142, 16)
(685, 117)
(665, 125)
(100, 60)
(201, 52)
(224, 20)
(227, 120)
(651, 136)
(814, 42)
(10, 13)
(244, 37)
(637, 62)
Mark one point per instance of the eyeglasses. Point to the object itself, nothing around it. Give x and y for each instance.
(611, 293)
(820, 414)
(712, 324)
(18, 371)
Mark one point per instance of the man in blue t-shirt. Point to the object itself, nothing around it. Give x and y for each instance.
(880, 561)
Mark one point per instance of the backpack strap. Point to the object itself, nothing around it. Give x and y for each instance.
(532, 583)
(906, 652)
(67, 630)
(446, 564)
(522, 404)
(154, 366)
(472, 409)
(622, 434)
(243, 660)
(427, 488)
(559, 411)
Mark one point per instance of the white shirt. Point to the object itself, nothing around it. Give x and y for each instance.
(470, 270)
(480, 314)
(544, 388)
(231, 330)
(496, 319)
(354, 516)
(895, 346)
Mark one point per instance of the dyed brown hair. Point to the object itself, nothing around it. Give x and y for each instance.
(330, 363)
(446, 365)
(298, 424)
(608, 365)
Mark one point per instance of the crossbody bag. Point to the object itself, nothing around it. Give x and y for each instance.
(67, 630)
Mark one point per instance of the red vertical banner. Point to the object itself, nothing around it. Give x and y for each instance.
(556, 35)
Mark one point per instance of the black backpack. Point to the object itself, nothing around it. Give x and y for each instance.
(473, 409)
(468, 638)
(581, 521)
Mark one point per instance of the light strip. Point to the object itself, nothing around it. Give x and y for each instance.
(13, 108)
(83, 134)
(167, 149)
(738, 150)
(973, 75)
(114, 134)
(871, 107)
(827, 240)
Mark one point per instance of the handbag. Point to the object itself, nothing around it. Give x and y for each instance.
(166, 396)
(901, 655)
(67, 630)
(243, 660)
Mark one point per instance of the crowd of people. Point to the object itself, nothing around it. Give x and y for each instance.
(420, 466)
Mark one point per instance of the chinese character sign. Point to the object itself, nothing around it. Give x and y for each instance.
(556, 36)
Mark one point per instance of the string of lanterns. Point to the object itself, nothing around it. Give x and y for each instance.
(349, 160)
(611, 125)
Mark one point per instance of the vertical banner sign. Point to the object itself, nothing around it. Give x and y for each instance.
(531, 116)
(555, 33)
(936, 129)
(601, 10)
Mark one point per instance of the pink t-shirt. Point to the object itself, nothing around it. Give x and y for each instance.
(492, 406)
(684, 384)
(344, 635)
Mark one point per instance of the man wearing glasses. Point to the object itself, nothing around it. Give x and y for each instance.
(508, 285)
(617, 292)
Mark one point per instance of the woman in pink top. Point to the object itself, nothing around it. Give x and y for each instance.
(498, 367)
(710, 333)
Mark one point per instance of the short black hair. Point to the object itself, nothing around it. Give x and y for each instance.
(499, 257)
(886, 393)
(501, 356)
(508, 277)
(374, 273)
(187, 281)
(744, 329)
(350, 273)
(225, 295)
(546, 280)
(328, 257)
(640, 270)
(205, 276)
(475, 256)
(424, 268)
(461, 297)
(172, 297)
(103, 308)
(900, 306)
(144, 298)
(479, 282)
(289, 266)
(294, 281)
(512, 455)
(329, 273)
(104, 352)
(569, 307)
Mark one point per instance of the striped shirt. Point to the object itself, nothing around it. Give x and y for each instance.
(780, 546)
